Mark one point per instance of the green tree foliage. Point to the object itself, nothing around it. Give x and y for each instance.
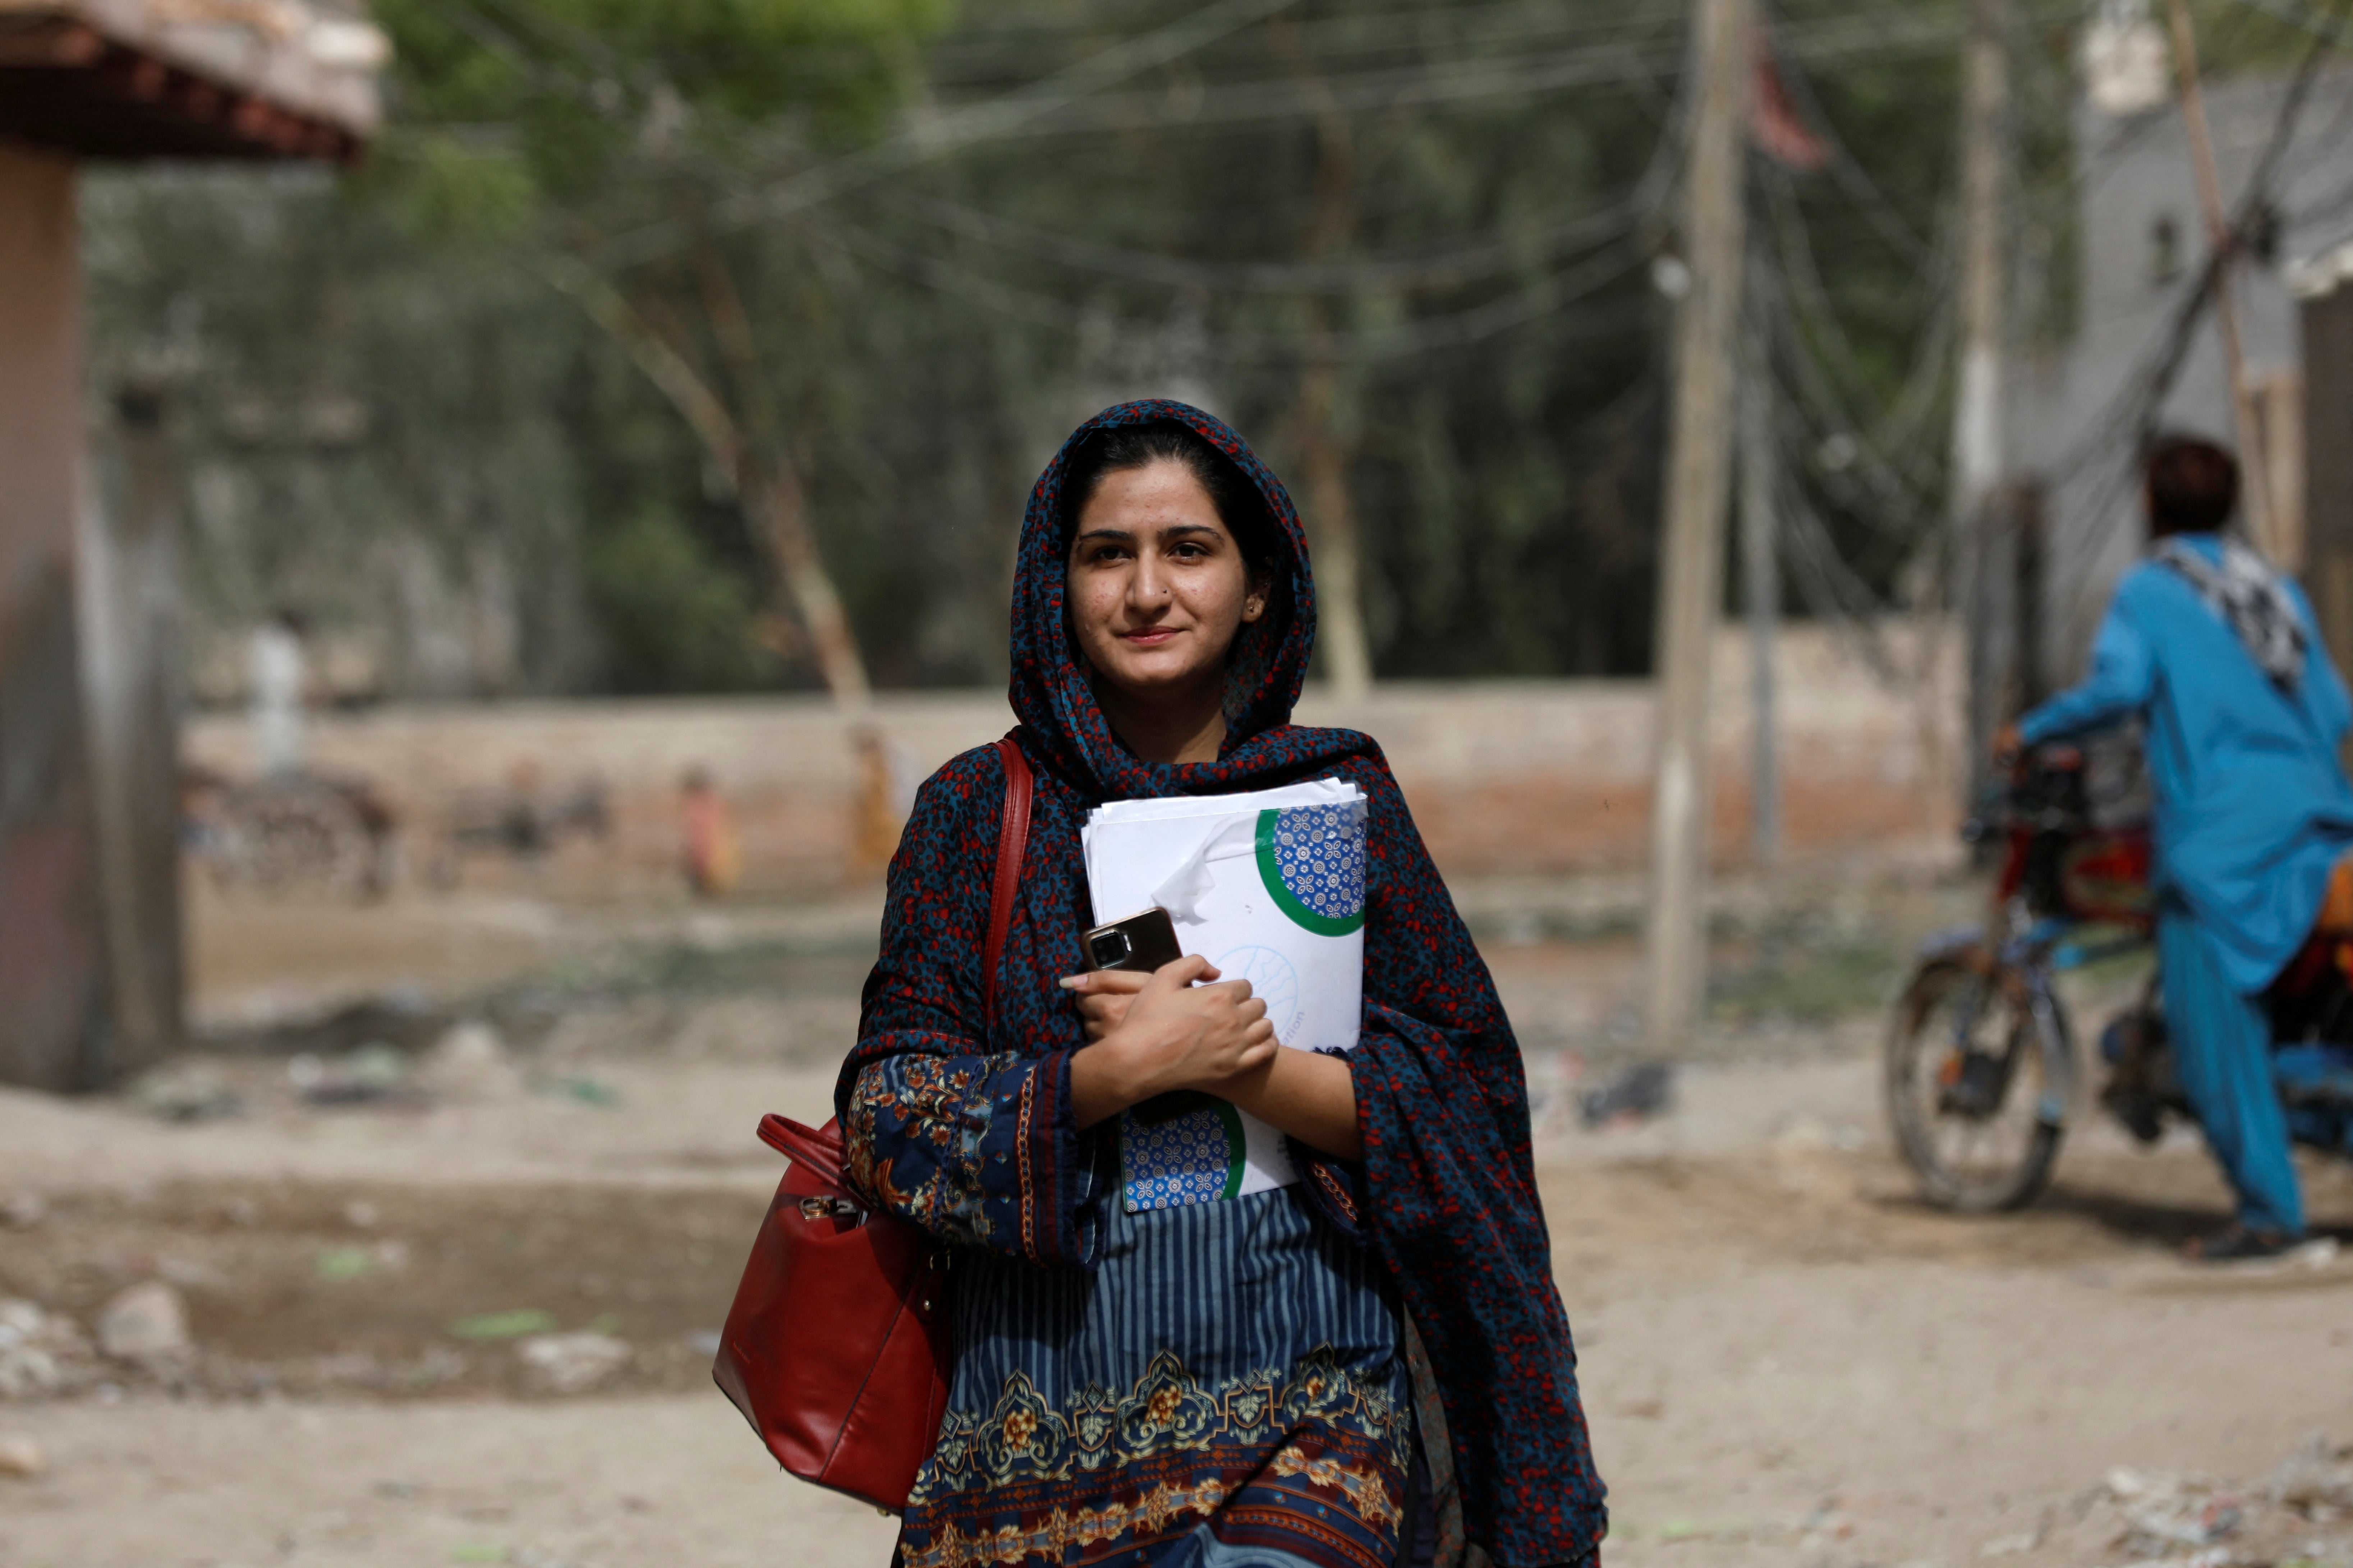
(1450, 212)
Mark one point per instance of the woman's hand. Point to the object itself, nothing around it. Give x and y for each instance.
(1103, 995)
(1165, 1032)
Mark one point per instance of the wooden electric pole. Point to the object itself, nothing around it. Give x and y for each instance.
(1760, 575)
(1691, 572)
(2255, 452)
(1978, 408)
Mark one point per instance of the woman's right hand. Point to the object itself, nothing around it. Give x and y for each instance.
(1174, 1035)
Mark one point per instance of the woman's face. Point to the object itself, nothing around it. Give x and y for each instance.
(1157, 587)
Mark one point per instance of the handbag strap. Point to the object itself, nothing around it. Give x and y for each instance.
(1012, 846)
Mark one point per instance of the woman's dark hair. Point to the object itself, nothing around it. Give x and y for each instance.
(1240, 505)
(2193, 486)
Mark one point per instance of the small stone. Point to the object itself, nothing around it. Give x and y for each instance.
(149, 1321)
(471, 1063)
(572, 1363)
(361, 1214)
(24, 1210)
(21, 1458)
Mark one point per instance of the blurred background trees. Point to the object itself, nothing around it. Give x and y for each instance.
(653, 329)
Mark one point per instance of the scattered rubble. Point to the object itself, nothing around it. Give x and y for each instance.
(572, 1363)
(42, 1354)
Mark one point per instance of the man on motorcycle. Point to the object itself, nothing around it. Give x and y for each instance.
(2218, 654)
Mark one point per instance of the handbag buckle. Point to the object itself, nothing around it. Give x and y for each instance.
(830, 1208)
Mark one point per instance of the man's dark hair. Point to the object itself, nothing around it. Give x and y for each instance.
(2193, 486)
(1238, 503)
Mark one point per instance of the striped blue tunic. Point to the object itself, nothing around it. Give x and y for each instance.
(1226, 1387)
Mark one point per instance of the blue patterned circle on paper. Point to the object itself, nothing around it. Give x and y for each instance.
(1272, 980)
(1196, 1156)
(1311, 859)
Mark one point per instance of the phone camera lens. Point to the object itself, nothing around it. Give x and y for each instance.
(1110, 948)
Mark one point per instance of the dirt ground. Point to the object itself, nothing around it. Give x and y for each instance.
(1786, 1359)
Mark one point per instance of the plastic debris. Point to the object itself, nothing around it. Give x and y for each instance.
(572, 1363)
(372, 1072)
(1638, 1094)
(508, 1325)
(186, 1091)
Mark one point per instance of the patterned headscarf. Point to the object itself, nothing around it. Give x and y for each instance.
(1051, 689)
(2250, 598)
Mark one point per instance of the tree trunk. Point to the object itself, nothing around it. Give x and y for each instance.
(1323, 454)
(1332, 527)
(774, 507)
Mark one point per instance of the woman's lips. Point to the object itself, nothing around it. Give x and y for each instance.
(1149, 637)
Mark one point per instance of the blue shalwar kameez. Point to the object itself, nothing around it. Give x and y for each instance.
(2252, 812)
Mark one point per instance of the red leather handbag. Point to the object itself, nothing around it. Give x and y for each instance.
(836, 1348)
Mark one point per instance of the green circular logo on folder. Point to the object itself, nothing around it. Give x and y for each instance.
(1311, 859)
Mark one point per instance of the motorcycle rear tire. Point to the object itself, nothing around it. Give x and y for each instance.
(1918, 1044)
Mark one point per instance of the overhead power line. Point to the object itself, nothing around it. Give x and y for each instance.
(1545, 298)
(927, 139)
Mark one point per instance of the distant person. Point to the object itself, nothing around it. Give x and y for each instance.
(277, 684)
(1241, 1382)
(2217, 654)
(709, 855)
(885, 795)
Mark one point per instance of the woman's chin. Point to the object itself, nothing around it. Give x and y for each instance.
(1157, 676)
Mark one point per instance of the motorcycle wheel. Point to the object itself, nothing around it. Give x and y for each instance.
(1967, 1083)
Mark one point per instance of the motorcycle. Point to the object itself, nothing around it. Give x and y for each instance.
(1981, 1068)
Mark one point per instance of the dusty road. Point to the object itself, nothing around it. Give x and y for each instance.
(1786, 1360)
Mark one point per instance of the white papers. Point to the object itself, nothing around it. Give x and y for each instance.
(1268, 887)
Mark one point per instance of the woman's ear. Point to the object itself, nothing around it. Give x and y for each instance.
(1255, 597)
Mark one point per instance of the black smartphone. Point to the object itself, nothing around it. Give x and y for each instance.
(1141, 942)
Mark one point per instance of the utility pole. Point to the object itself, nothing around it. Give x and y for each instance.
(1691, 572)
(1760, 575)
(1976, 414)
(2255, 452)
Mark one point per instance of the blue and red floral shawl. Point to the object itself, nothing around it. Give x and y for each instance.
(1447, 1193)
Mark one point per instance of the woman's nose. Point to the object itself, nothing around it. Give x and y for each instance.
(1149, 585)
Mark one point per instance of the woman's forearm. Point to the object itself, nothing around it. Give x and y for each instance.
(1099, 1085)
(1310, 1096)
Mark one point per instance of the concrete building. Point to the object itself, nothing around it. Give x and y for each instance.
(89, 959)
(2075, 420)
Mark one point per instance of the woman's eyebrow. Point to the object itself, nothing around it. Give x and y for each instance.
(1127, 534)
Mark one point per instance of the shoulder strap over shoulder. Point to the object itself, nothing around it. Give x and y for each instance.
(1012, 846)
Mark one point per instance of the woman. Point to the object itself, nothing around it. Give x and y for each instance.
(1239, 1383)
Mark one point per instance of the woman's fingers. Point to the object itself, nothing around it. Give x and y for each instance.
(1106, 983)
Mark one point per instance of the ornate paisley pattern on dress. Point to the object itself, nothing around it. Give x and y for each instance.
(934, 1102)
(1199, 1443)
